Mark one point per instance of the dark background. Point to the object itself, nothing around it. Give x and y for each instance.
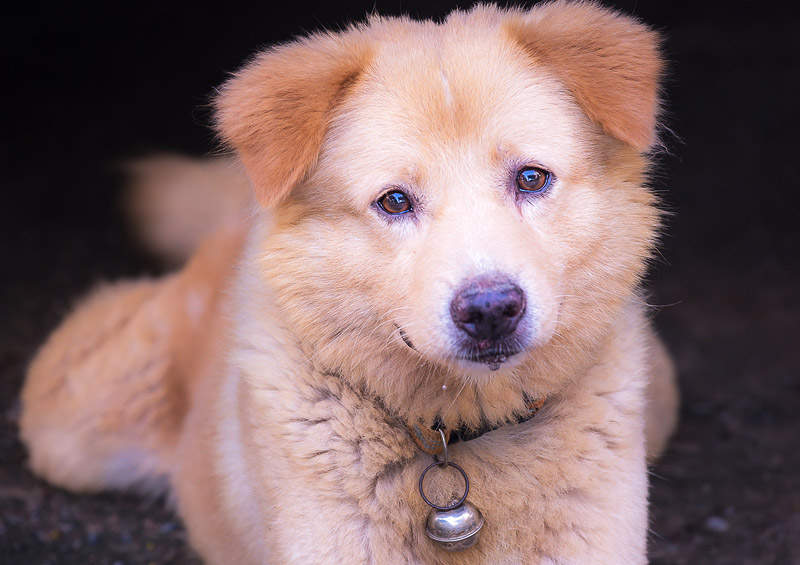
(84, 88)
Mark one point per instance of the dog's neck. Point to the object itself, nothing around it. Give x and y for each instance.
(426, 434)
(420, 393)
(432, 440)
(430, 400)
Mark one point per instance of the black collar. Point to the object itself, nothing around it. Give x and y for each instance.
(429, 440)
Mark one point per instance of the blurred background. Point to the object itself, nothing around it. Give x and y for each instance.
(87, 87)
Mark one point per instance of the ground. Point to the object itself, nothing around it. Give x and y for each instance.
(88, 93)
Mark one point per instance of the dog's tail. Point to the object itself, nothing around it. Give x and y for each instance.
(106, 396)
(175, 202)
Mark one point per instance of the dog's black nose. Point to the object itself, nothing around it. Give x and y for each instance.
(488, 309)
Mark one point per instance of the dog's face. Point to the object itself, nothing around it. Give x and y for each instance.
(464, 196)
(462, 200)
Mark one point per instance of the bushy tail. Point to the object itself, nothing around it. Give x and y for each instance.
(175, 202)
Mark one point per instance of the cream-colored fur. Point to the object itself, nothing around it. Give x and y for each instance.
(269, 381)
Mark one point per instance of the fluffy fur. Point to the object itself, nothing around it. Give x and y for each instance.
(270, 382)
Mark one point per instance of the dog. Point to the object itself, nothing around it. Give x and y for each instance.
(441, 261)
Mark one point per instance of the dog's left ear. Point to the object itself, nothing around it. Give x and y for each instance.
(276, 110)
(610, 62)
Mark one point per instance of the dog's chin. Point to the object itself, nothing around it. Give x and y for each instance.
(483, 365)
(489, 362)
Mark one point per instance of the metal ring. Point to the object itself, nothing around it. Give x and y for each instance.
(460, 500)
(445, 461)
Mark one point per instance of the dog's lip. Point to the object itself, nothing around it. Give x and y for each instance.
(405, 337)
(494, 359)
(489, 356)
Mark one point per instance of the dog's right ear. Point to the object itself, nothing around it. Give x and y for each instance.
(275, 111)
(610, 62)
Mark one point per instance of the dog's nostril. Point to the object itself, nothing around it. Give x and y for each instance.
(488, 310)
(512, 309)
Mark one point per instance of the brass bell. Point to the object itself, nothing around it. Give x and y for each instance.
(455, 529)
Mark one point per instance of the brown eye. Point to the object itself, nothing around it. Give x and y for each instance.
(395, 203)
(533, 179)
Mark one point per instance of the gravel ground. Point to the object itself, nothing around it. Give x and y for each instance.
(88, 91)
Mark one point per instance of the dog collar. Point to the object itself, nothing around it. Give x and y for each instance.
(457, 525)
(429, 439)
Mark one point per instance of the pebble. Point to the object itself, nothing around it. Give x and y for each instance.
(167, 527)
(92, 535)
(717, 524)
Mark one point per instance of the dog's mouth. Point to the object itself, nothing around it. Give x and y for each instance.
(404, 337)
(492, 358)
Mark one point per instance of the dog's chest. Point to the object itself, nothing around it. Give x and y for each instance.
(344, 482)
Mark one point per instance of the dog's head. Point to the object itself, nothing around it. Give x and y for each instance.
(454, 200)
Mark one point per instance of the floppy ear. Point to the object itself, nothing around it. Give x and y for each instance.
(610, 62)
(274, 112)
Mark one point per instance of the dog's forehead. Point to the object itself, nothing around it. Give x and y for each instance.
(431, 94)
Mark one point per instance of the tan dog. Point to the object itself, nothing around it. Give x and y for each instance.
(458, 226)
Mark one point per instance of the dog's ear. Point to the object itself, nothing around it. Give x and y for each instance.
(610, 62)
(275, 111)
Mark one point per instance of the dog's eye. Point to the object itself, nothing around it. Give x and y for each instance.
(533, 179)
(395, 203)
